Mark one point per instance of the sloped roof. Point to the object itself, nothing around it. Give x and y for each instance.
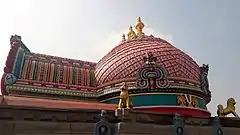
(54, 104)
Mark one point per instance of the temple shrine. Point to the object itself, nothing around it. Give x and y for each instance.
(144, 85)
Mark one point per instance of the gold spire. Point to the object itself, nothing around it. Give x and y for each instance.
(131, 34)
(139, 27)
(123, 38)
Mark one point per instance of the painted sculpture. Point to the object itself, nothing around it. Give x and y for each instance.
(151, 75)
(15, 38)
(187, 100)
(230, 109)
(131, 34)
(124, 101)
(123, 38)
(139, 27)
(204, 79)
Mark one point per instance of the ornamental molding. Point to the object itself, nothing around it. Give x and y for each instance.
(151, 75)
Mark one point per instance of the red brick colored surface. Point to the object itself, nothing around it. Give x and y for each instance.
(180, 110)
(58, 104)
(125, 59)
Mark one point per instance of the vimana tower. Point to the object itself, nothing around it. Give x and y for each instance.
(143, 85)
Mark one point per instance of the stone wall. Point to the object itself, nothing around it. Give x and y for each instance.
(15, 120)
(56, 128)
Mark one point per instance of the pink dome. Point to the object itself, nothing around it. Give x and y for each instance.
(126, 58)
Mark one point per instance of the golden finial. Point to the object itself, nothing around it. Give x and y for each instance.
(139, 27)
(230, 109)
(123, 38)
(131, 33)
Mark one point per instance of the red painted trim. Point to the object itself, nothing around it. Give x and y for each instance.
(3, 91)
(92, 89)
(49, 57)
(179, 110)
(11, 58)
(58, 104)
(105, 75)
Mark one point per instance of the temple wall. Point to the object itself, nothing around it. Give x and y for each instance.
(19, 120)
(61, 128)
(154, 129)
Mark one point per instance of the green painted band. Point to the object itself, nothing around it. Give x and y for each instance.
(155, 100)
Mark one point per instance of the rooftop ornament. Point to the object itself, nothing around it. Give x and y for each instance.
(131, 34)
(230, 109)
(139, 27)
(15, 38)
(123, 38)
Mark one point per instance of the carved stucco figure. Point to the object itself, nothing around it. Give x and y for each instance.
(230, 109)
(124, 101)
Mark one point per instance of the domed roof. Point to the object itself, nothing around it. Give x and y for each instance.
(125, 59)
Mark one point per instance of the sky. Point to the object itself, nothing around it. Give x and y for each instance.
(207, 30)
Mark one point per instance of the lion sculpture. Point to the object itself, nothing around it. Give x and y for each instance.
(124, 101)
(230, 109)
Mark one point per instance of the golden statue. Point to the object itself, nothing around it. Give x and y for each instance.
(131, 33)
(139, 27)
(181, 100)
(187, 100)
(230, 109)
(124, 101)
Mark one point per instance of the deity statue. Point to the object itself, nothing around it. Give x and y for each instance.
(204, 78)
(230, 109)
(131, 33)
(15, 38)
(124, 101)
(139, 27)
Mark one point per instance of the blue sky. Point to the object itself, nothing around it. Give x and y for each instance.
(207, 30)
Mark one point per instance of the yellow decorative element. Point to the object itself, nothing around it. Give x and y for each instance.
(187, 100)
(230, 109)
(131, 33)
(181, 100)
(139, 27)
(123, 38)
(124, 101)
